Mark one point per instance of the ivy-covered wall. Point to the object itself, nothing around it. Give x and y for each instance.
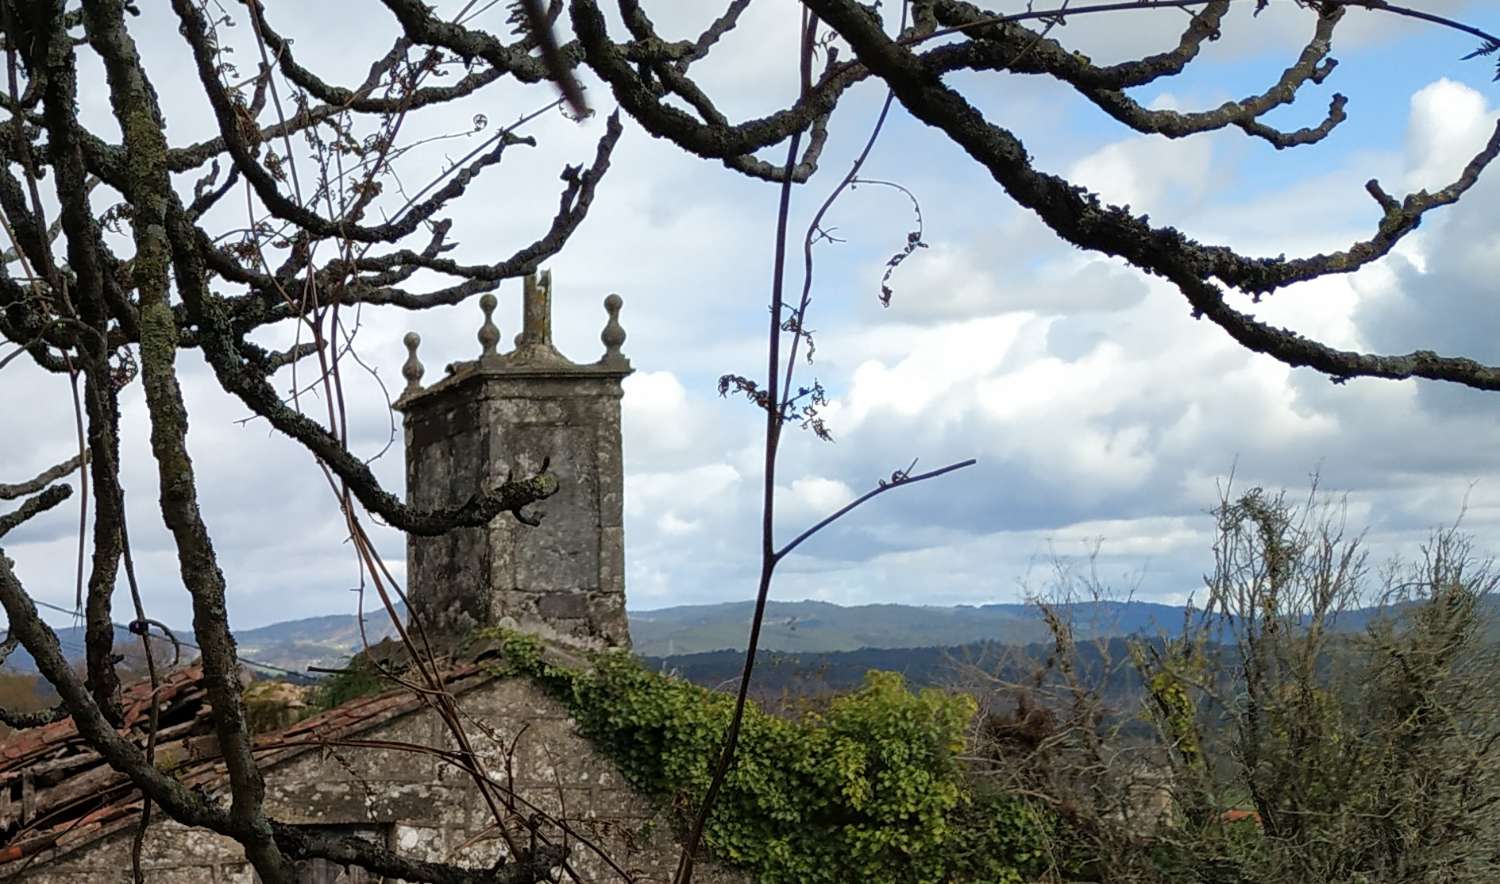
(870, 790)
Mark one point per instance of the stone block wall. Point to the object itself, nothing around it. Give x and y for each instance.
(515, 413)
(426, 809)
(563, 578)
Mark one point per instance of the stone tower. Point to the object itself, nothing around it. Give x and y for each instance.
(507, 413)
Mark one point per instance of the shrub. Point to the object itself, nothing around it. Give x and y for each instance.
(871, 789)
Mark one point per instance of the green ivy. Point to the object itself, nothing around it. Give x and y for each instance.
(869, 790)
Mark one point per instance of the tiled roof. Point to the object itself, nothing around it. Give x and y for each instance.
(58, 794)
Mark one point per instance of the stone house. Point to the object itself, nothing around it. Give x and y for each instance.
(67, 818)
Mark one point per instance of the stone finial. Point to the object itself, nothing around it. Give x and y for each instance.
(536, 311)
(613, 335)
(489, 333)
(534, 343)
(412, 369)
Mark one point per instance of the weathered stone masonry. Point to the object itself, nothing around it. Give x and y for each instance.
(515, 412)
(415, 804)
(563, 580)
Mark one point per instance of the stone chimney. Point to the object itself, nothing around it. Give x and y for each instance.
(509, 413)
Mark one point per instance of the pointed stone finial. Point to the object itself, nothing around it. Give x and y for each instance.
(534, 343)
(489, 333)
(536, 311)
(412, 370)
(613, 335)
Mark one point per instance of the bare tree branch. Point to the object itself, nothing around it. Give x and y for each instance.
(42, 480)
(34, 506)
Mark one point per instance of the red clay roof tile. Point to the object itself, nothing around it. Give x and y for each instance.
(113, 802)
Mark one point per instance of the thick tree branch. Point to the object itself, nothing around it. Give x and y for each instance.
(193, 808)
(1035, 53)
(102, 406)
(360, 99)
(222, 349)
(730, 143)
(34, 506)
(195, 31)
(1008, 46)
(1064, 10)
(42, 480)
(714, 33)
(425, 29)
(1077, 216)
(95, 291)
(266, 305)
(1262, 276)
(149, 190)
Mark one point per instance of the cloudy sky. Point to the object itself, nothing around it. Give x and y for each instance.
(1098, 409)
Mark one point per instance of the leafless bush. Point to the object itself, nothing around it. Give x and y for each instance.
(1309, 722)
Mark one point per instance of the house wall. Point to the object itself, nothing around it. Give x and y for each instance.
(426, 808)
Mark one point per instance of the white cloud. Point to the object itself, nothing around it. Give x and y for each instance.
(952, 280)
(1449, 123)
(1145, 171)
(672, 525)
(819, 496)
(939, 360)
(685, 491)
(657, 418)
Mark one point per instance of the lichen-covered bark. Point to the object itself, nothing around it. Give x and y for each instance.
(102, 406)
(81, 292)
(150, 190)
(1078, 217)
(33, 506)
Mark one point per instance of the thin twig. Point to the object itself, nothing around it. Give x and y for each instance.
(880, 489)
(684, 873)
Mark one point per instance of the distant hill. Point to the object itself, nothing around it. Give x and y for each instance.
(791, 628)
(813, 673)
(800, 627)
(985, 669)
(805, 627)
(326, 641)
(294, 645)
